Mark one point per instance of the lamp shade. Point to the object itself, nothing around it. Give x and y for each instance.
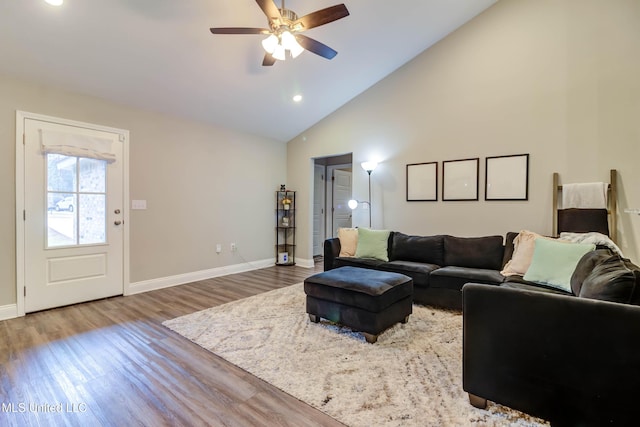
(369, 166)
(279, 53)
(290, 43)
(288, 40)
(269, 44)
(352, 204)
(296, 49)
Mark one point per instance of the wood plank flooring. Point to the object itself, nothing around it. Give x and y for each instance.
(112, 363)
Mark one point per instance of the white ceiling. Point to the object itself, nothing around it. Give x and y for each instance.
(159, 55)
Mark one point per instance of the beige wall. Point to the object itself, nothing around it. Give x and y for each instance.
(555, 79)
(203, 185)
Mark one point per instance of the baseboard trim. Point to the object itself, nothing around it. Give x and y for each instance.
(180, 279)
(9, 311)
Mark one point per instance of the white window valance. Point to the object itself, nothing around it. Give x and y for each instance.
(70, 144)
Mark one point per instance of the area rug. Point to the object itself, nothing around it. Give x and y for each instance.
(411, 377)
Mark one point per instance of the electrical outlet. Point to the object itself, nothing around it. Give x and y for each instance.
(234, 247)
(218, 248)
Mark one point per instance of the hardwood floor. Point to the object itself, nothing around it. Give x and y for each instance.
(112, 363)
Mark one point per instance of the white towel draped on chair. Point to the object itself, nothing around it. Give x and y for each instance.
(588, 195)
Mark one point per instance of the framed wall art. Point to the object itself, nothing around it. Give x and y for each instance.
(422, 182)
(460, 179)
(507, 177)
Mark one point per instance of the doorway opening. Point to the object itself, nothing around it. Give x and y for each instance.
(331, 191)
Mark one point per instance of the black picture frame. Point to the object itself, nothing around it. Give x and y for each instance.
(460, 180)
(507, 178)
(422, 182)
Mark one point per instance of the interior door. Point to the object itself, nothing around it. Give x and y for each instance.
(73, 215)
(341, 196)
(318, 209)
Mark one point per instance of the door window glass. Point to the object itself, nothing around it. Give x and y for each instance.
(76, 201)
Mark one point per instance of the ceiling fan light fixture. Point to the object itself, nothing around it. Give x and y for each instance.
(291, 44)
(279, 53)
(296, 49)
(283, 32)
(270, 43)
(288, 40)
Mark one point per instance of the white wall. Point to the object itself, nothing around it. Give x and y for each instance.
(557, 79)
(203, 185)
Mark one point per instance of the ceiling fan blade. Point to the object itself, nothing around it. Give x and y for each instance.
(315, 46)
(239, 30)
(268, 60)
(270, 9)
(321, 17)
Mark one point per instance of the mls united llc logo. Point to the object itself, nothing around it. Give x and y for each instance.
(23, 407)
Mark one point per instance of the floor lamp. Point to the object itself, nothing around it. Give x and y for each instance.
(368, 167)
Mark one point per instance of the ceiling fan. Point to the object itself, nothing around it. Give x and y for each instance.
(285, 28)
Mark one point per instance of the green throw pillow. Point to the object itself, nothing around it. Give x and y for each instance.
(372, 244)
(553, 262)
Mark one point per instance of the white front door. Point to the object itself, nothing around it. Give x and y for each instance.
(73, 213)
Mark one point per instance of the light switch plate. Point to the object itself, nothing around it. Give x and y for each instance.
(139, 204)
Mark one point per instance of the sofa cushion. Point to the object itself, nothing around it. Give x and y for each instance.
(474, 252)
(508, 247)
(518, 282)
(418, 271)
(554, 262)
(348, 241)
(428, 249)
(453, 277)
(373, 244)
(635, 296)
(356, 262)
(610, 280)
(585, 267)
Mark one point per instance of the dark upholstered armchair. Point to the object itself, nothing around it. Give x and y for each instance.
(572, 361)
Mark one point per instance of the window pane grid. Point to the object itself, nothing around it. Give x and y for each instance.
(76, 201)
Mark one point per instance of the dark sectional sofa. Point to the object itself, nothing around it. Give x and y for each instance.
(439, 265)
(570, 359)
(567, 357)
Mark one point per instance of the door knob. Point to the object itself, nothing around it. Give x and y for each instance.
(117, 222)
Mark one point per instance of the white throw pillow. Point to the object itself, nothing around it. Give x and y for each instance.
(523, 247)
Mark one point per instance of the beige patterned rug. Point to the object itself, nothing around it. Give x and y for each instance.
(411, 377)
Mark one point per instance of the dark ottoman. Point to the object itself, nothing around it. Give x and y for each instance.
(367, 301)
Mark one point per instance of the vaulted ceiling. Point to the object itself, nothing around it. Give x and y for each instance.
(159, 55)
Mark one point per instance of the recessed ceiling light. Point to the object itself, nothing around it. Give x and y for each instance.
(297, 98)
(55, 2)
